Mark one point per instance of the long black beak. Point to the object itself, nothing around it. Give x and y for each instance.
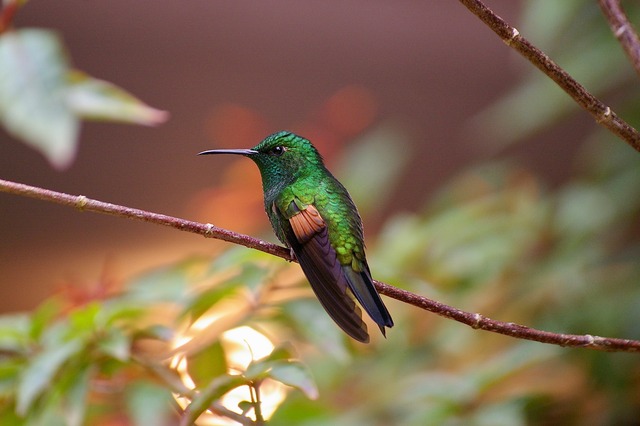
(245, 152)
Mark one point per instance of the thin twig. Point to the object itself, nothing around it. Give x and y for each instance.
(473, 320)
(623, 30)
(602, 114)
(257, 403)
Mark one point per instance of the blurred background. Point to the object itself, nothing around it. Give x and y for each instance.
(230, 73)
(479, 183)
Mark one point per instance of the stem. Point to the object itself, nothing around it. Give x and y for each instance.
(255, 399)
(623, 30)
(473, 320)
(602, 114)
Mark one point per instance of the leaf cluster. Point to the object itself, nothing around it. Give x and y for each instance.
(70, 363)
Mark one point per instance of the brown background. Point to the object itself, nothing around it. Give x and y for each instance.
(428, 65)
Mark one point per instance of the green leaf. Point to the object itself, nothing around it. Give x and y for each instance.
(297, 410)
(40, 372)
(75, 398)
(10, 369)
(83, 320)
(44, 315)
(33, 107)
(294, 374)
(207, 364)
(283, 351)
(49, 415)
(148, 404)
(547, 21)
(583, 209)
(509, 412)
(257, 369)
(252, 276)
(386, 146)
(508, 363)
(245, 406)
(237, 256)
(14, 332)
(162, 285)
(96, 99)
(249, 276)
(9, 417)
(308, 317)
(118, 310)
(207, 299)
(156, 332)
(116, 344)
(215, 390)
(289, 372)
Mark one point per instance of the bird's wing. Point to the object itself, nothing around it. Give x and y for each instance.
(308, 237)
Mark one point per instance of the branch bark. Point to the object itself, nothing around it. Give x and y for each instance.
(623, 30)
(601, 113)
(473, 320)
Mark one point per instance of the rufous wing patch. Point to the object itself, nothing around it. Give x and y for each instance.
(307, 223)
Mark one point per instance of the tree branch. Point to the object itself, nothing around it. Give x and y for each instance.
(83, 203)
(473, 320)
(602, 114)
(623, 30)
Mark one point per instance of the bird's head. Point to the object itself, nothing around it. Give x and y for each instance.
(282, 156)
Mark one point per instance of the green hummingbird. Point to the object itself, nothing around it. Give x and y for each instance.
(314, 215)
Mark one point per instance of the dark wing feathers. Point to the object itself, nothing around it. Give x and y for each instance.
(309, 239)
(362, 287)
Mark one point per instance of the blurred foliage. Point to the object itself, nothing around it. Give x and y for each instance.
(75, 359)
(43, 99)
(576, 36)
(241, 334)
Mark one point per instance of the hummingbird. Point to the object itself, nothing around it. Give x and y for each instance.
(312, 213)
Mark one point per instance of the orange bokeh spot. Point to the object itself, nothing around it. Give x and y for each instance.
(236, 203)
(234, 126)
(350, 111)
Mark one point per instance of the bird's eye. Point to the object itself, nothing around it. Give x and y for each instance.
(277, 150)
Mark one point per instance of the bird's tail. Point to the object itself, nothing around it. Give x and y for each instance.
(361, 285)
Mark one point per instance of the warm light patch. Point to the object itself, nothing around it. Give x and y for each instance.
(242, 345)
